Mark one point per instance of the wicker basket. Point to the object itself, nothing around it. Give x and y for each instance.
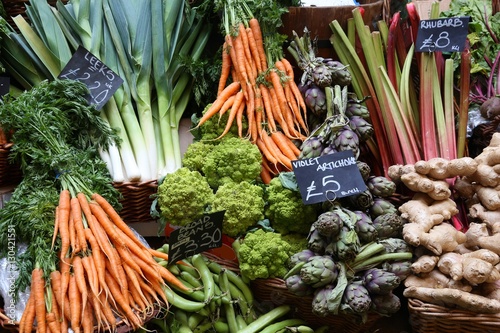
(430, 318)
(273, 292)
(137, 200)
(10, 173)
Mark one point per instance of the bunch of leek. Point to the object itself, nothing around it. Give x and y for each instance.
(145, 42)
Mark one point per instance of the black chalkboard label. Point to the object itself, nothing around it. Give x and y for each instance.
(87, 68)
(442, 34)
(196, 237)
(328, 177)
(4, 85)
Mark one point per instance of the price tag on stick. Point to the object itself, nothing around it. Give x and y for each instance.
(443, 34)
(87, 68)
(328, 177)
(196, 237)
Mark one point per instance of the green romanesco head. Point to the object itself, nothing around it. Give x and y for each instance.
(263, 255)
(286, 211)
(214, 127)
(195, 155)
(244, 206)
(297, 242)
(232, 160)
(183, 196)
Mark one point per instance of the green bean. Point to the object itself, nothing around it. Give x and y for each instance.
(266, 319)
(228, 306)
(181, 302)
(205, 275)
(282, 324)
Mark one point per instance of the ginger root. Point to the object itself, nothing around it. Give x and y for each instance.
(436, 189)
(450, 297)
(441, 238)
(424, 264)
(441, 168)
(436, 279)
(427, 212)
(490, 217)
(474, 270)
(478, 235)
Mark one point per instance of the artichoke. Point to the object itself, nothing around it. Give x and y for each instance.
(329, 149)
(361, 127)
(316, 242)
(339, 72)
(357, 297)
(319, 271)
(346, 247)
(388, 225)
(302, 256)
(395, 245)
(402, 269)
(381, 206)
(315, 100)
(298, 287)
(364, 227)
(379, 281)
(364, 169)
(321, 301)
(321, 74)
(347, 139)
(361, 201)
(328, 224)
(355, 108)
(311, 147)
(385, 305)
(381, 186)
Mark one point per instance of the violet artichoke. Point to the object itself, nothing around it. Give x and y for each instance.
(298, 287)
(379, 281)
(357, 297)
(328, 224)
(381, 186)
(319, 271)
(385, 305)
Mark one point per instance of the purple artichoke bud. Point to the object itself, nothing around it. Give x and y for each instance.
(316, 242)
(381, 206)
(321, 75)
(361, 127)
(388, 225)
(295, 285)
(402, 269)
(385, 305)
(357, 109)
(319, 271)
(364, 227)
(328, 224)
(361, 201)
(304, 86)
(381, 186)
(347, 139)
(311, 147)
(345, 247)
(339, 72)
(395, 245)
(302, 256)
(320, 302)
(315, 100)
(356, 297)
(330, 149)
(380, 282)
(364, 169)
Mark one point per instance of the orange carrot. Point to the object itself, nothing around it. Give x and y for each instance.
(239, 119)
(265, 175)
(98, 313)
(90, 272)
(265, 151)
(259, 112)
(253, 49)
(75, 246)
(76, 212)
(55, 284)
(122, 302)
(242, 32)
(225, 68)
(268, 107)
(239, 63)
(84, 204)
(52, 322)
(88, 319)
(227, 105)
(237, 105)
(158, 254)
(274, 149)
(107, 312)
(257, 33)
(56, 228)
(75, 303)
(64, 268)
(283, 144)
(64, 214)
(277, 112)
(230, 90)
(80, 279)
(97, 256)
(28, 318)
(133, 282)
(38, 290)
(250, 111)
(293, 85)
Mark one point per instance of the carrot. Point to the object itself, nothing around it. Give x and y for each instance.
(278, 113)
(265, 175)
(75, 303)
(80, 279)
(283, 144)
(242, 32)
(225, 68)
(290, 144)
(88, 319)
(133, 282)
(89, 269)
(64, 268)
(227, 105)
(84, 204)
(55, 284)
(259, 41)
(122, 301)
(239, 119)
(230, 90)
(64, 214)
(250, 111)
(38, 290)
(76, 212)
(252, 44)
(97, 312)
(239, 63)
(97, 256)
(52, 322)
(268, 107)
(265, 151)
(158, 254)
(54, 312)
(56, 228)
(28, 318)
(274, 149)
(121, 277)
(237, 105)
(106, 311)
(74, 245)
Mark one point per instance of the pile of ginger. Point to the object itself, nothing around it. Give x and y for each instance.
(454, 267)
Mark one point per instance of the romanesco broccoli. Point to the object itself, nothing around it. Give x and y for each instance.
(183, 196)
(195, 155)
(286, 211)
(262, 254)
(244, 206)
(234, 159)
(213, 127)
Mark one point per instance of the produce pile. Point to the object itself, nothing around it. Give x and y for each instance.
(457, 259)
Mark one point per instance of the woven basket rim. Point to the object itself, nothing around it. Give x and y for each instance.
(418, 306)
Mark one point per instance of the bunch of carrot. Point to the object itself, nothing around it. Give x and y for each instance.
(260, 88)
(106, 275)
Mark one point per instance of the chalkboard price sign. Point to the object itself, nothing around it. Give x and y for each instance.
(442, 34)
(328, 177)
(87, 68)
(196, 237)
